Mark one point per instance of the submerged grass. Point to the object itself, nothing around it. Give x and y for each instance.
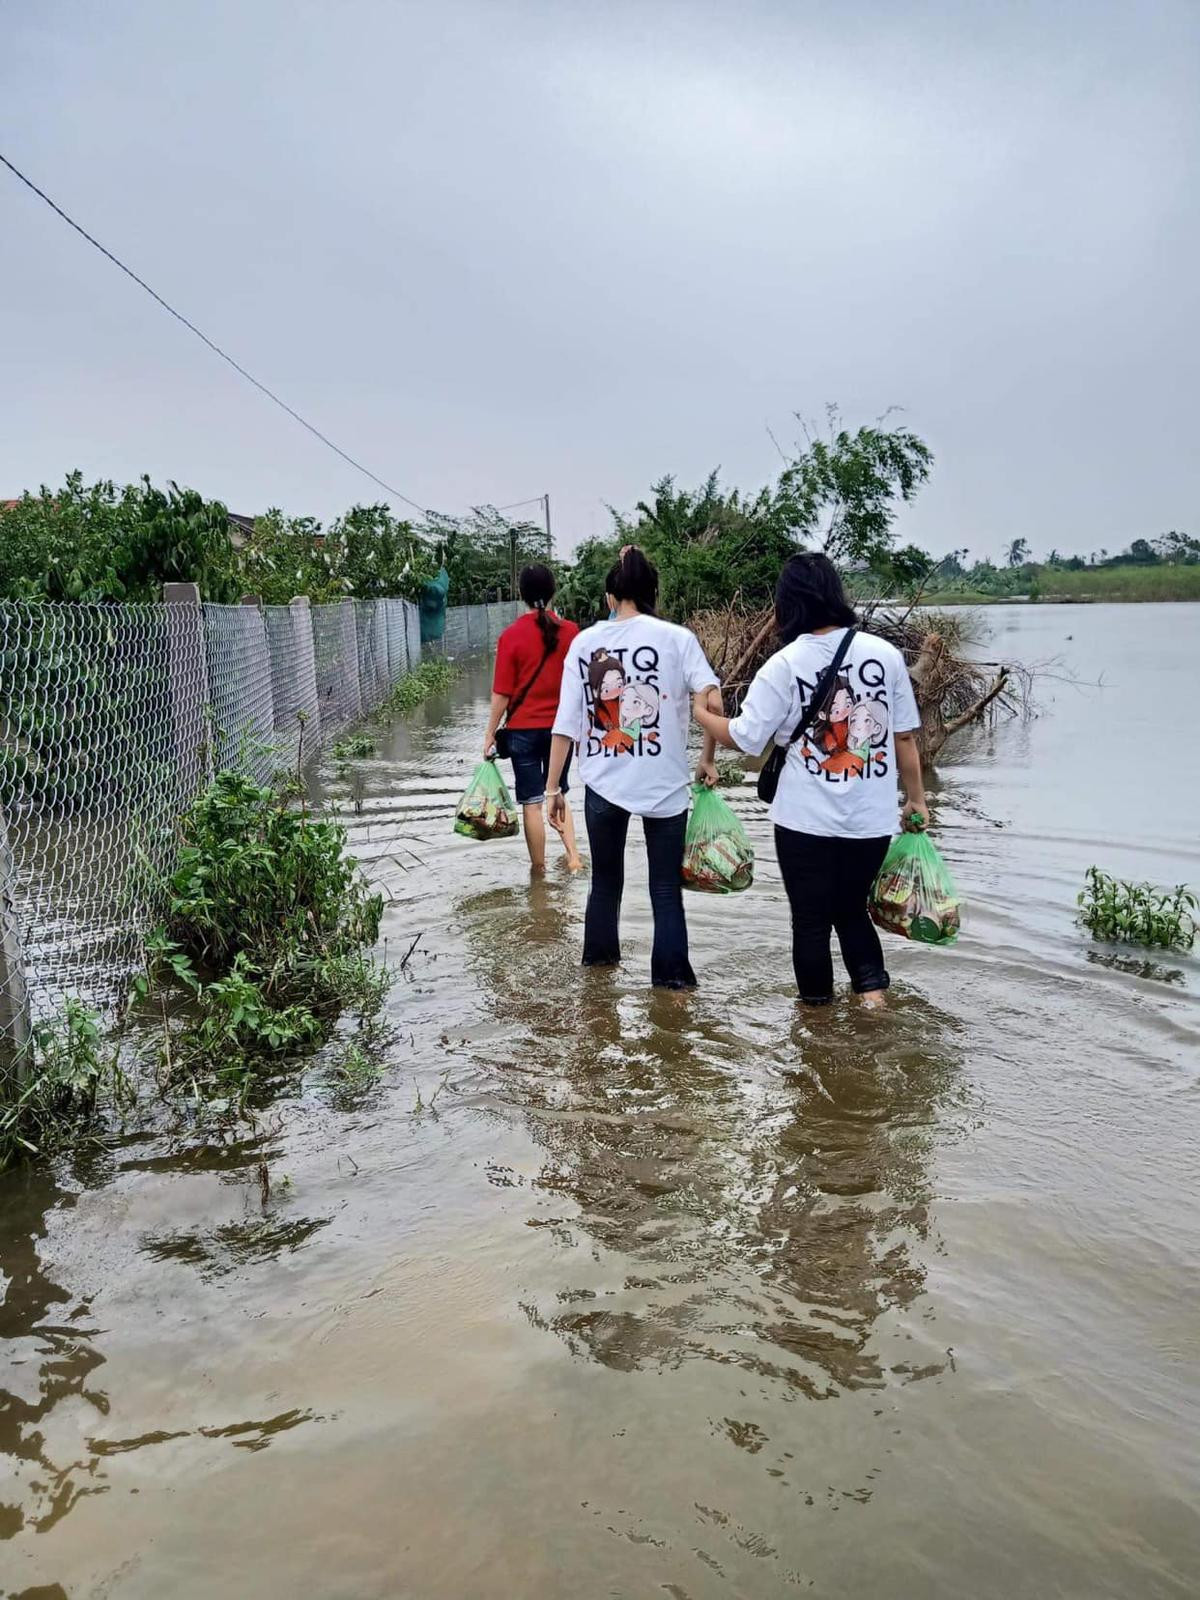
(433, 676)
(354, 747)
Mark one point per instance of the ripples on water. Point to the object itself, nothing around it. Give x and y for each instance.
(605, 1291)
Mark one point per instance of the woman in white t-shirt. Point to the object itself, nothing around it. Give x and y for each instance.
(627, 687)
(835, 808)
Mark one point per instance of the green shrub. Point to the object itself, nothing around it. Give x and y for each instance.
(53, 1092)
(266, 933)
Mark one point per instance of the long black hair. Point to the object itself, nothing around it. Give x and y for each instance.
(634, 578)
(809, 595)
(536, 587)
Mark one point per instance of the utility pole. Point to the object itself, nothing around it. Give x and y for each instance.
(512, 563)
(549, 536)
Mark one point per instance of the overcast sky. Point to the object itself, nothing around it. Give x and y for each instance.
(495, 249)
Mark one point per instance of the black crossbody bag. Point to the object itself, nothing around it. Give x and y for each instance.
(772, 767)
(502, 744)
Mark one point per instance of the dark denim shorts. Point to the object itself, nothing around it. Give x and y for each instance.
(529, 751)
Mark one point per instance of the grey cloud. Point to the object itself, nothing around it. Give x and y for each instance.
(496, 249)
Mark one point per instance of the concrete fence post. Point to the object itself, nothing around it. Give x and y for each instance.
(187, 673)
(14, 993)
(306, 701)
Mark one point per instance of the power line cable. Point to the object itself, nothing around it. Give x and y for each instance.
(216, 348)
(535, 500)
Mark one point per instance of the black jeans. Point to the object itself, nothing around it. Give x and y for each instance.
(827, 882)
(607, 828)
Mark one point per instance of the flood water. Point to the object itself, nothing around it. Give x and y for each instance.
(600, 1292)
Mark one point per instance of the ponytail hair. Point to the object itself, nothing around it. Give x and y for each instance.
(536, 587)
(634, 578)
(809, 595)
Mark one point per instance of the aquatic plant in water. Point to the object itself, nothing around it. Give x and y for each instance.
(1138, 913)
(51, 1094)
(431, 677)
(354, 747)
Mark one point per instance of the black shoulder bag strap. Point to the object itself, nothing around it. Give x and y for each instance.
(515, 703)
(772, 768)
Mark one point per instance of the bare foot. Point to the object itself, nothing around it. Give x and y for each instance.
(537, 869)
(873, 1000)
(574, 863)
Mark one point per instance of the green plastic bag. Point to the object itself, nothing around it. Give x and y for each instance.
(717, 856)
(486, 810)
(914, 894)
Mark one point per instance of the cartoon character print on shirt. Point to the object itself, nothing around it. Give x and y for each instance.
(622, 708)
(830, 727)
(848, 737)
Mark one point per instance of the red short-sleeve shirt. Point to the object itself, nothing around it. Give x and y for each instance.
(519, 649)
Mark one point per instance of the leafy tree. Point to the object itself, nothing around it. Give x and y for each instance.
(840, 492)
(477, 552)
(1018, 553)
(1143, 553)
(951, 564)
(708, 543)
(581, 585)
(97, 542)
(1178, 547)
(284, 557)
(378, 556)
(366, 554)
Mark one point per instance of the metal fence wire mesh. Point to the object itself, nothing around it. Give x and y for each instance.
(112, 719)
(335, 647)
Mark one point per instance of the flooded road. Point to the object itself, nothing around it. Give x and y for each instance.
(603, 1292)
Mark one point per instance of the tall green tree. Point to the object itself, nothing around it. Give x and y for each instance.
(1018, 553)
(100, 542)
(841, 491)
(838, 492)
(477, 552)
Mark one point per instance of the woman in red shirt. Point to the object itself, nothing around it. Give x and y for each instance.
(529, 668)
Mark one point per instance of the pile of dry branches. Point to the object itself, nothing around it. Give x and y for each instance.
(952, 690)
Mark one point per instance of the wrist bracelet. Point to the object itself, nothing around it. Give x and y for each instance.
(550, 793)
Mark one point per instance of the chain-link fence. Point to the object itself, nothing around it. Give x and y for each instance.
(112, 718)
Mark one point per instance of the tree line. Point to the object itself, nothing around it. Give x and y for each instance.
(839, 490)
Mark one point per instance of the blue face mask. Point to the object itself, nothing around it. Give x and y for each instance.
(612, 615)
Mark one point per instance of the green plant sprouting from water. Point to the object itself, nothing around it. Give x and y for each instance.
(432, 677)
(354, 747)
(1138, 913)
(266, 936)
(51, 1093)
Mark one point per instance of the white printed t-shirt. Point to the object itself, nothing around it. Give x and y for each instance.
(839, 780)
(626, 701)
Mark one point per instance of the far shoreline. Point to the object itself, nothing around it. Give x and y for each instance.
(960, 599)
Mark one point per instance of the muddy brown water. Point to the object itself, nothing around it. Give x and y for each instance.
(601, 1293)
